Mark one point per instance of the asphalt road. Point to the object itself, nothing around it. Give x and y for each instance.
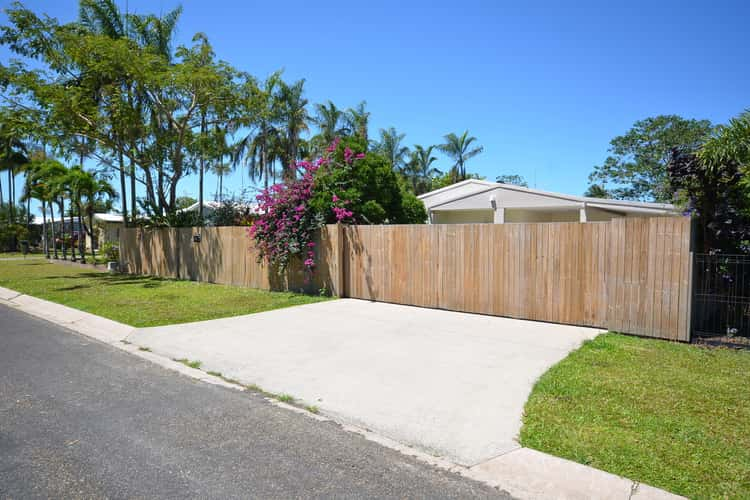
(80, 419)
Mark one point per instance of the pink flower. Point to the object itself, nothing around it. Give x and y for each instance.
(348, 154)
(309, 263)
(335, 198)
(359, 156)
(311, 244)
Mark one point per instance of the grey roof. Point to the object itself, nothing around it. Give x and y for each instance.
(480, 187)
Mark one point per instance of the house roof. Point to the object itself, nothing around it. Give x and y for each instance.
(108, 217)
(213, 205)
(460, 195)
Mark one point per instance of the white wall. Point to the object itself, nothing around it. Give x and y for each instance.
(463, 217)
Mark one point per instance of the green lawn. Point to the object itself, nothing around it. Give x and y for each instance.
(136, 300)
(14, 255)
(674, 416)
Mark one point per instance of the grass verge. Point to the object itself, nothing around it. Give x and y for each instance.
(139, 301)
(671, 415)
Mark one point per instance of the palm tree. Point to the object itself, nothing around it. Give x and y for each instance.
(328, 119)
(390, 146)
(13, 155)
(221, 169)
(357, 120)
(89, 189)
(156, 32)
(37, 187)
(259, 149)
(43, 174)
(294, 118)
(420, 170)
(459, 149)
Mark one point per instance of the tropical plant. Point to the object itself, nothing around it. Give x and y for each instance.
(419, 170)
(459, 149)
(391, 148)
(288, 219)
(357, 121)
(260, 148)
(294, 118)
(13, 152)
(328, 118)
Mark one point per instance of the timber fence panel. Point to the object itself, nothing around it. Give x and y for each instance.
(630, 275)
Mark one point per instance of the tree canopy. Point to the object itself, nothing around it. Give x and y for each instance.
(637, 166)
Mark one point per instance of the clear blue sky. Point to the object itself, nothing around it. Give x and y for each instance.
(542, 85)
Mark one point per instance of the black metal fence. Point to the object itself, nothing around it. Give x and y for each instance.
(721, 300)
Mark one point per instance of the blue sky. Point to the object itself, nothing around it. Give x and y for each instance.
(543, 86)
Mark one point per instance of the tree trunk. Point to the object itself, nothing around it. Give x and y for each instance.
(81, 236)
(72, 245)
(132, 190)
(121, 166)
(54, 239)
(61, 209)
(10, 198)
(91, 234)
(202, 165)
(45, 236)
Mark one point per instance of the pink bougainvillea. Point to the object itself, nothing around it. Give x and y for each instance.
(287, 223)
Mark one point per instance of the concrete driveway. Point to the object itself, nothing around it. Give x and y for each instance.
(452, 384)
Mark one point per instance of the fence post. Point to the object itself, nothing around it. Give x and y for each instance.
(341, 260)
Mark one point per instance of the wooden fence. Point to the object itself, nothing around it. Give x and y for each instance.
(630, 275)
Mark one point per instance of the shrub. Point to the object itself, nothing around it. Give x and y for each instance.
(111, 251)
(287, 219)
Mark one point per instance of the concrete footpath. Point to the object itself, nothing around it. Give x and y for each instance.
(522, 472)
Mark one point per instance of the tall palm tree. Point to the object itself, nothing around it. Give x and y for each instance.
(220, 169)
(420, 170)
(259, 149)
(294, 118)
(357, 120)
(13, 155)
(459, 149)
(60, 185)
(328, 119)
(37, 187)
(390, 146)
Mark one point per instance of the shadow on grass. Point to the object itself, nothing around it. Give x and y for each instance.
(107, 279)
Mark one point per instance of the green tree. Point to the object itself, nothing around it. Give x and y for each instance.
(329, 120)
(459, 149)
(357, 121)
(514, 179)
(637, 166)
(373, 191)
(294, 118)
(185, 201)
(260, 112)
(13, 153)
(419, 170)
(391, 147)
(596, 191)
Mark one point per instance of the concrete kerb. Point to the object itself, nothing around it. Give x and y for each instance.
(522, 472)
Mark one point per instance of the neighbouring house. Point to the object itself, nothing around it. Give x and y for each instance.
(209, 207)
(476, 201)
(106, 230)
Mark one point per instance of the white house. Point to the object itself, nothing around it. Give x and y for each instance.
(106, 230)
(209, 207)
(476, 201)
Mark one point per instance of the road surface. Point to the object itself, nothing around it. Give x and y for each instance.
(80, 419)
